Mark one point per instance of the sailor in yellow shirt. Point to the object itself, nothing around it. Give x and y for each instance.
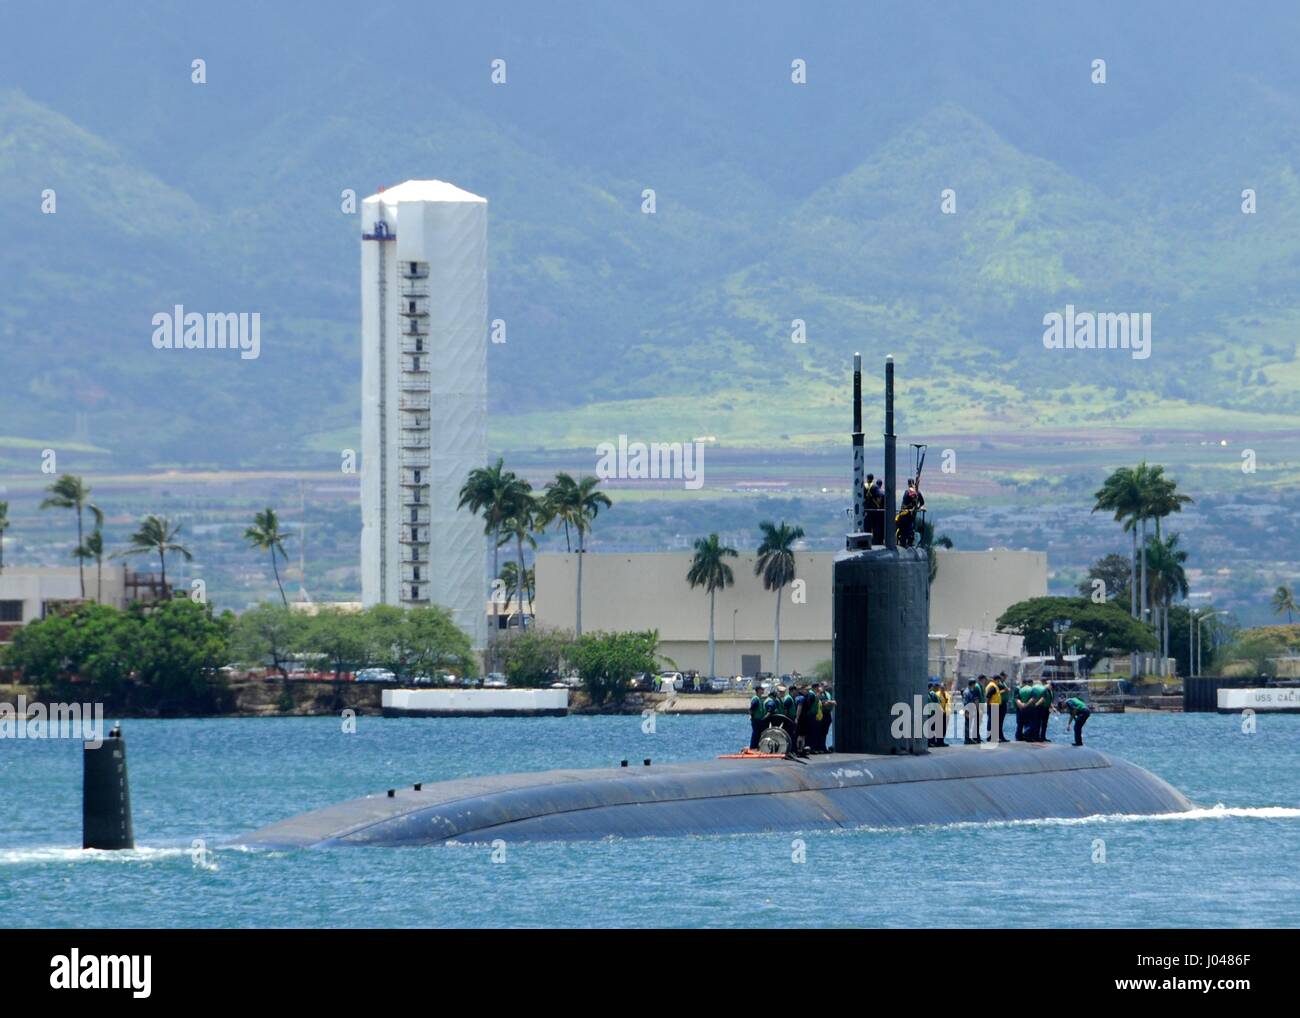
(944, 700)
(993, 699)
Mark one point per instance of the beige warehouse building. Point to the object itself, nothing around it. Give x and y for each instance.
(649, 591)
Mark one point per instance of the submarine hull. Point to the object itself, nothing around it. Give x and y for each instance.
(1012, 781)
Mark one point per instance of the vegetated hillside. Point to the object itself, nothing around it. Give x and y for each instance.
(774, 202)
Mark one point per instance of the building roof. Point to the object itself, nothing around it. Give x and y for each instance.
(423, 190)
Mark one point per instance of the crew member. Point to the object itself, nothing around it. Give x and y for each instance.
(1045, 705)
(945, 705)
(757, 716)
(828, 707)
(970, 699)
(993, 698)
(772, 709)
(876, 505)
(913, 501)
(803, 718)
(1024, 713)
(933, 717)
(1079, 713)
(1008, 704)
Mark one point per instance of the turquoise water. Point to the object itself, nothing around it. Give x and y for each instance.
(1231, 864)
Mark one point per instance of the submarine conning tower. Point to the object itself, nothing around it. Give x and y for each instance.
(881, 614)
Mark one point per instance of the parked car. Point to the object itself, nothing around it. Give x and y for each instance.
(495, 684)
(375, 675)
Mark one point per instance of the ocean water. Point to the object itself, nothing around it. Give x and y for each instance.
(1232, 862)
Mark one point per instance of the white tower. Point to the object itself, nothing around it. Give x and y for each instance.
(423, 398)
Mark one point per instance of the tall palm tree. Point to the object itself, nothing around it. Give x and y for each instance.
(576, 504)
(1283, 601)
(776, 565)
(71, 492)
(710, 571)
(1121, 494)
(157, 534)
(484, 494)
(4, 525)
(520, 507)
(93, 548)
(1160, 499)
(264, 535)
(1165, 559)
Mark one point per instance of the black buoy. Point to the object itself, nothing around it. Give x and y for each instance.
(880, 619)
(105, 794)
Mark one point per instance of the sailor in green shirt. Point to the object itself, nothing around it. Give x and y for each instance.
(1045, 702)
(757, 716)
(1079, 713)
(1025, 712)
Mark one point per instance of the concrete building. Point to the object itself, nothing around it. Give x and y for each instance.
(649, 591)
(423, 397)
(28, 593)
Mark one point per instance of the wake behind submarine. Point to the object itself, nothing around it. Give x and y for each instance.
(876, 777)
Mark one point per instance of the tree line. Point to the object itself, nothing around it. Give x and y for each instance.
(605, 663)
(154, 535)
(513, 512)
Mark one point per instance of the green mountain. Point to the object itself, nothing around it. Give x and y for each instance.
(776, 202)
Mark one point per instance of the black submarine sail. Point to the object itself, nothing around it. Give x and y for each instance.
(881, 616)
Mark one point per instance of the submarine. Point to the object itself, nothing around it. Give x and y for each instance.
(882, 774)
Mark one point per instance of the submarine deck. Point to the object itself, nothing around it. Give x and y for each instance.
(1009, 781)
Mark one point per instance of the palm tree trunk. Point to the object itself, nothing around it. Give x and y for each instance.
(578, 615)
(712, 670)
(99, 578)
(492, 634)
(81, 563)
(523, 582)
(1142, 596)
(776, 643)
(276, 569)
(162, 568)
(1132, 599)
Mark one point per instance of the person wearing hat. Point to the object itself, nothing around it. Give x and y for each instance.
(808, 716)
(1004, 693)
(772, 707)
(1045, 710)
(945, 706)
(828, 707)
(757, 716)
(993, 700)
(1024, 713)
(933, 715)
(1078, 713)
(971, 697)
(787, 710)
